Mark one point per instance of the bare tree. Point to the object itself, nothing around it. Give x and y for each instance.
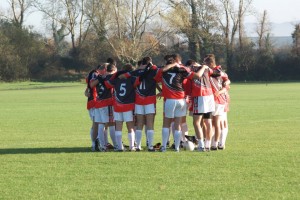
(296, 40)
(19, 9)
(244, 6)
(229, 24)
(69, 14)
(128, 32)
(263, 29)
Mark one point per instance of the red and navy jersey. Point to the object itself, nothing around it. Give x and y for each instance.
(201, 86)
(172, 82)
(124, 93)
(217, 85)
(187, 86)
(145, 92)
(92, 91)
(104, 95)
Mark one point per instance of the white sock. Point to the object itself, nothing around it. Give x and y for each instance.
(223, 137)
(213, 142)
(131, 139)
(112, 135)
(118, 135)
(150, 136)
(146, 132)
(200, 143)
(165, 135)
(184, 131)
(91, 134)
(207, 144)
(105, 137)
(177, 137)
(101, 134)
(173, 130)
(138, 138)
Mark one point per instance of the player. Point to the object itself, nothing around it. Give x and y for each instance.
(124, 97)
(90, 93)
(219, 82)
(103, 105)
(145, 102)
(224, 122)
(173, 75)
(203, 105)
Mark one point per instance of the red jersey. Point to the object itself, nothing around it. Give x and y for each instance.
(201, 86)
(217, 85)
(92, 91)
(172, 82)
(103, 95)
(145, 92)
(124, 94)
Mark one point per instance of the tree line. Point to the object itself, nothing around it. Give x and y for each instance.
(83, 33)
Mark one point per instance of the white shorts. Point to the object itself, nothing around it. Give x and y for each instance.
(224, 116)
(219, 110)
(92, 113)
(144, 109)
(124, 116)
(204, 104)
(175, 108)
(104, 115)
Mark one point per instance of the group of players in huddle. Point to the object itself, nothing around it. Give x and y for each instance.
(129, 95)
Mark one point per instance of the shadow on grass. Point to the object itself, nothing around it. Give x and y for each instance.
(46, 150)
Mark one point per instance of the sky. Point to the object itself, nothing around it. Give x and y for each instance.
(279, 11)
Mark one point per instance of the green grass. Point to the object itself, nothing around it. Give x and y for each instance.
(45, 154)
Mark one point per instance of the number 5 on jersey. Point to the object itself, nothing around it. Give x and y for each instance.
(122, 89)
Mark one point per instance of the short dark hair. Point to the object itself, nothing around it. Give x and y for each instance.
(190, 62)
(100, 67)
(111, 61)
(128, 67)
(209, 59)
(146, 60)
(176, 57)
(139, 62)
(169, 59)
(111, 68)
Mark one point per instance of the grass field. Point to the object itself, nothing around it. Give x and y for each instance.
(45, 150)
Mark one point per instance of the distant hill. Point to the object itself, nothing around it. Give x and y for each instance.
(278, 29)
(277, 42)
(281, 33)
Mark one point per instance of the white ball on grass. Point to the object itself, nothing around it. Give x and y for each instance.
(189, 146)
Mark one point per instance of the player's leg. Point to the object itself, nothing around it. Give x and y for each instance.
(207, 119)
(140, 121)
(180, 112)
(169, 111)
(118, 130)
(224, 131)
(128, 118)
(216, 124)
(150, 115)
(139, 128)
(197, 118)
(112, 130)
(150, 130)
(184, 129)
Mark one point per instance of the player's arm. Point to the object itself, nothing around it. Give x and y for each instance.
(222, 91)
(121, 74)
(200, 72)
(169, 66)
(94, 82)
(86, 92)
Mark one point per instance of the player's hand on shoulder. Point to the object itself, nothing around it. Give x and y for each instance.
(86, 92)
